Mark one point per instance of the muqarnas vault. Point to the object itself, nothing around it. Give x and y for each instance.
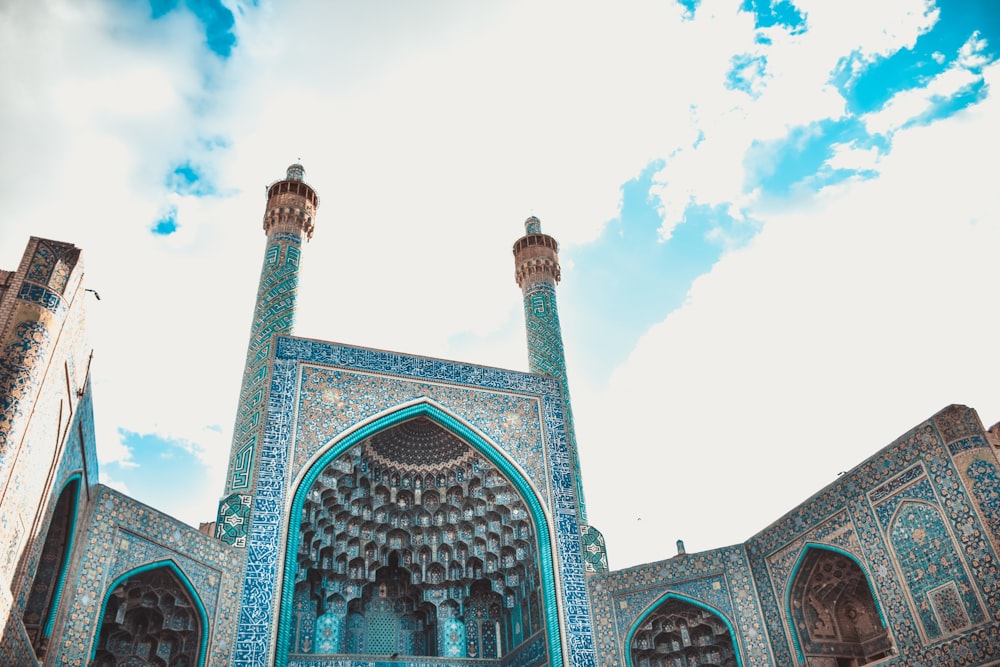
(389, 509)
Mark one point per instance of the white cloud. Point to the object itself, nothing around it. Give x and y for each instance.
(843, 324)
(908, 105)
(849, 156)
(870, 31)
(114, 484)
(431, 132)
(796, 91)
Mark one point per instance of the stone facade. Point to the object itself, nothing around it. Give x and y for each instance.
(393, 509)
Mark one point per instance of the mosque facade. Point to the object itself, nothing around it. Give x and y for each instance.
(383, 509)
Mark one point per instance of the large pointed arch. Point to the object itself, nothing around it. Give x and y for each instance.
(425, 408)
(795, 584)
(186, 587)
(666, 599)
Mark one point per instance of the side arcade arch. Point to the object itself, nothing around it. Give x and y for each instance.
(677, 629)
(50, 576)
(415, 535)
(832, 612)
(151, 615)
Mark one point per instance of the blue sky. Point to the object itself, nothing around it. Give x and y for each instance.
(776, 220)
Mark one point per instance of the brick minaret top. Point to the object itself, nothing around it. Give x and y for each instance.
(536, 256)
(291, 205)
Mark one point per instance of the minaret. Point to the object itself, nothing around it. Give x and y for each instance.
(536, 269)
(289, 216)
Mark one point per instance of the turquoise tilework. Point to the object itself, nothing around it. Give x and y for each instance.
(547, 357)
(332, 400)
(594, 550)
(981, 476)
(273, 314)
(268, 527)
(719, 580)
(857, 513)
(122, 535)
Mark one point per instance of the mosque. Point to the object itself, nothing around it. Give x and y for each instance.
(384, 510)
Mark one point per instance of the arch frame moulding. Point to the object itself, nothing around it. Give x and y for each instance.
(170, 565)
(407, 385)
(673, 595)
(75, 478)
(426, 408)
(788, 620)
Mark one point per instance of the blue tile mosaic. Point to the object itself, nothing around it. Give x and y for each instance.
(297, 363)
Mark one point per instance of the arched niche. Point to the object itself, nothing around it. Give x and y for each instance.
(50, 575)
(151, 616)
(941, 592)
(415, 536)
(835, 619)
(677, 630)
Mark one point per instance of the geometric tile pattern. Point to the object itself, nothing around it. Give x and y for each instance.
(22, 357)
(833, 612)
(44, 413)
(79, 447)
(905, 506)
(151, 619)
(929, 560)
(288, 217)
(414, 517)
(52, 436)
(254, 641)
(546, 356)
(51, 265)
(483, 619)
(363, 632)
(836, 531)
(680, 632)
(332, 400)
(234, 515)
(123, 536)
(472, 394)
(453, 638)
(917, 524)
(719, 581)
(981, 475)
(49, 576)
(274, 313)
(537, 271)
(595, 553)
(328, 633)
(37, 311)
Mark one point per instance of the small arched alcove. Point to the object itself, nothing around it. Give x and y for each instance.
(835, 619)
(151, 616)
(414, 536)
(680, 631)
(50, 575)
